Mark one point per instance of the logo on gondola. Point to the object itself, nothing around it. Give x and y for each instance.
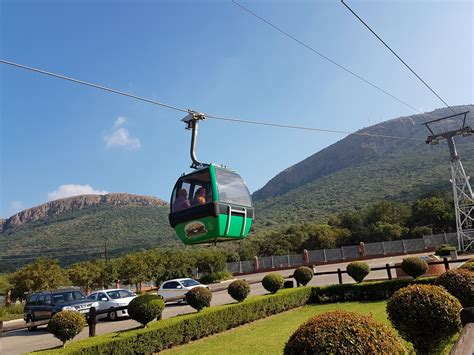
(195, 229)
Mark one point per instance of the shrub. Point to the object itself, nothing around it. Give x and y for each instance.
(180, 330)
(199, 298)
(459, 283)
(272, 282)
(303, 275)
(239, 290)
(145, 308)
(65, 325)
(367, 291)
(424, 315)
(215, 277)
(414, 266)
(468, 266)
(341, 332)
(445, 250)
(358, 270)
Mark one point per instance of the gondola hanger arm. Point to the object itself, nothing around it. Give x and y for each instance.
(191, 121)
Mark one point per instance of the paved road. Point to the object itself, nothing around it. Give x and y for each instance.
(22, 341)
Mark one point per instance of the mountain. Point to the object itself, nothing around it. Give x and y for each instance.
(359, 170)
(64, 205)
(354, 172)
(78, 228)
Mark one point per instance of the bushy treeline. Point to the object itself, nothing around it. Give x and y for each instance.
(382, 221)
(153, 265)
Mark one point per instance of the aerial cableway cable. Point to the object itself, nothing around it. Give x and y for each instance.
(396, 55)
(325, 57)
(216, 117)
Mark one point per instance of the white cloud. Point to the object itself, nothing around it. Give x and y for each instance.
(69, 190)
(15, 207)
(120, 136)
(120, 121)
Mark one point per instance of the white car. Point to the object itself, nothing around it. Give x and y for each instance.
(112, 298)
(178, 288)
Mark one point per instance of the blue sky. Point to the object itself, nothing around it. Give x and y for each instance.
(59, 138)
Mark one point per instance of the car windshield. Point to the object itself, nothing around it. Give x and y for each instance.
(189, 282)
(116, 294)
(68, 296)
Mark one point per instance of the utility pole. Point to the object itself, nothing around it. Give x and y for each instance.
(462, 191)
(106, 256)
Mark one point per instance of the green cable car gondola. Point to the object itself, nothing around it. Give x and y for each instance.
(211, 204)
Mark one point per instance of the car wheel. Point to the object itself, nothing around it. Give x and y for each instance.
(112, 315)
(29, 319)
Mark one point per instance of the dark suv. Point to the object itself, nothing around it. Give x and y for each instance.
(43, 305)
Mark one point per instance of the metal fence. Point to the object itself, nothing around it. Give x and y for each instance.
(340, 254)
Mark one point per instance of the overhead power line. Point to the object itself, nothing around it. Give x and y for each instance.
(396, 55)
(222, 118)
(307, 46)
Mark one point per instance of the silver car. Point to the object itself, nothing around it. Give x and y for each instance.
(113, 298)
(178, 288)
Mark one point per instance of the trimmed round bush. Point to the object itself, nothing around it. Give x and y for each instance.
(145, 308)
(341, 332)
(414, 266)
(199, 298)
(215, 277)
(445, 250)
(459, 283)
(239, 290)
(358, 270)
(425, 315)
(65, 325)
(303, 275)
(272, 282)
(469, 265)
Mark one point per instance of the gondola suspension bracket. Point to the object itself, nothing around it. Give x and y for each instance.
(192, 120)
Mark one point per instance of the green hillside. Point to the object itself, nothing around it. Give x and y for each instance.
(400, 176)
(81, 234)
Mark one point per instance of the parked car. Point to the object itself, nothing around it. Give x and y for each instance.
(178, 288)
(112, 298)
(43, 305)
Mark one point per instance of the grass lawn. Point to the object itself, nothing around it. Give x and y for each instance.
(11, 312)
(268, 336)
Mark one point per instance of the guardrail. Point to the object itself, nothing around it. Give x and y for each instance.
(389, 268)
(428, 243)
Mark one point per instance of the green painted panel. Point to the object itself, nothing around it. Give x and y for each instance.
(210, 229)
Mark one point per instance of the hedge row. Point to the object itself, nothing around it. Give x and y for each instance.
(180, 330)
(366, 291)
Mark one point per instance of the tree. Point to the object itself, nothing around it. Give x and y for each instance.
(43, 274)
(83, 275)
(383, 231)
(436, 213)
(133, 269)
(209, 261)
(176, 264)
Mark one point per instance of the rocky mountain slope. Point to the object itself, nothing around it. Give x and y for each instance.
(81, 227)
(358, 171)
(355, 150)
(58, 207)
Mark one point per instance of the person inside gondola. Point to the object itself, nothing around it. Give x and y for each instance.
(182, 201)
(200, 197)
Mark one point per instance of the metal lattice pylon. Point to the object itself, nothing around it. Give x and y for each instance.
(462, 191)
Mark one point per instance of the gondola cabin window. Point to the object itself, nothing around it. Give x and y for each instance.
(232, 189)
(192, 190)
